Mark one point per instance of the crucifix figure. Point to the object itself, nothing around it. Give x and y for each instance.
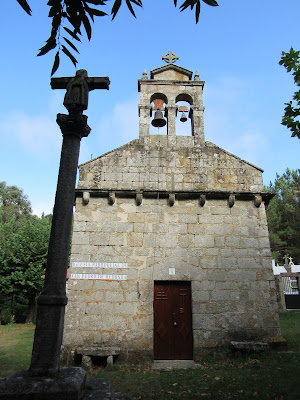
(52, 301)
(78, 88)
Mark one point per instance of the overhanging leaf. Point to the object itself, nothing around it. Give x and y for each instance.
(115, 9)
(211, 2)
(97, 2)
(55, 64)
(74, 36)
(71, 57)
(197, 11)
(87, 26)
(71, 44)
(51, 44)
(130, 8)
(25, 6)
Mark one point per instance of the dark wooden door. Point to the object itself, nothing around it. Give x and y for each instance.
(173, 335)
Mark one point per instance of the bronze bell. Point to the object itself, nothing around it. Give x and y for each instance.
(183, 118)
(158, 120)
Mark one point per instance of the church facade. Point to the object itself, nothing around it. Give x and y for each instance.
(170, 253)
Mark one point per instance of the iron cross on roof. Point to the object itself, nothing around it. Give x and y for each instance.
(78, 88)
(170, 57)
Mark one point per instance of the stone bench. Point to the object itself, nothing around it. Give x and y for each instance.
(250, 346)
(88, 352)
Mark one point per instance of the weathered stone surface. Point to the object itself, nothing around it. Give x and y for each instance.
(68, 384)
(223, 251)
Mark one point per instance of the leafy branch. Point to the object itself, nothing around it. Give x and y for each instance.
(80, 13)
(291, 61)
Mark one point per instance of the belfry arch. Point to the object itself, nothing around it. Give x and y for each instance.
(171, 84)
(184, 118)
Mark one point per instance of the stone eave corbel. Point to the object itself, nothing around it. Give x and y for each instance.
(180, 194)
(231, 200)
(202, 200)
(111, 198)
(257, 200)
(139, 198)
(171, 199)
(86, 197)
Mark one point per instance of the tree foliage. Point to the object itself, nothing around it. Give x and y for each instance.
(24, 242)
(71, 17)
(283, 215)
(291, 61)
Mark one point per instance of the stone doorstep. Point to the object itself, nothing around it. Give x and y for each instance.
(168, 365)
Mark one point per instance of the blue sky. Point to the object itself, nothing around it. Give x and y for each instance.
(235, 48)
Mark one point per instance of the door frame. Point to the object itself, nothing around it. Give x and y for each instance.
(174, 303)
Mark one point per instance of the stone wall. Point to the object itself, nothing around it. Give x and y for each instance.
(222, 250)
(171, 164)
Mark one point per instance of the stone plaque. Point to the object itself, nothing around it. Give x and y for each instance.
(103, 277)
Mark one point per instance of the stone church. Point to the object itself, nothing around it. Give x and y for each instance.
(170, 252)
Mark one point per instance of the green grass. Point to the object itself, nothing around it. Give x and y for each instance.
(273, 376)
(290, 328)
(15, 347)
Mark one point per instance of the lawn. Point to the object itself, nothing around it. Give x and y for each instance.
(262, 376)
(15, 347)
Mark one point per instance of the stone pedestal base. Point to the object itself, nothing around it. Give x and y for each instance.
(67, 384)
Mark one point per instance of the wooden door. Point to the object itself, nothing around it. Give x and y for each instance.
(173, 335)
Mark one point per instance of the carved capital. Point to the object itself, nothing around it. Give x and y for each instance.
(197, 108)
(73, 125)
(146, 108)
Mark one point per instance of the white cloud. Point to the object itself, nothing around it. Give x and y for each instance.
(42, 207)
(232, 122)
(38, 135)
(122, 124)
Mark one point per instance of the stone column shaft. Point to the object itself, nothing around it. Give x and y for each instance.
(144, 124)
(172, 112)
(52, 301)
(198, 124)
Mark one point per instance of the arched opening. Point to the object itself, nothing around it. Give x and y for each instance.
(158, 113)
(184, 115)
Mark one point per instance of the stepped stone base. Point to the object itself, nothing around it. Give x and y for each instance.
(68, 384)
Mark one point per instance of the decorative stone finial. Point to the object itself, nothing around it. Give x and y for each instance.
(196, 77)
(145, 76)
(170, 57)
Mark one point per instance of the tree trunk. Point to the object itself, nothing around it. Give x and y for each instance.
(31, 312)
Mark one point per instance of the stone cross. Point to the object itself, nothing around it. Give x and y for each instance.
(52, 301)
(170, 57)
(78, 88)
